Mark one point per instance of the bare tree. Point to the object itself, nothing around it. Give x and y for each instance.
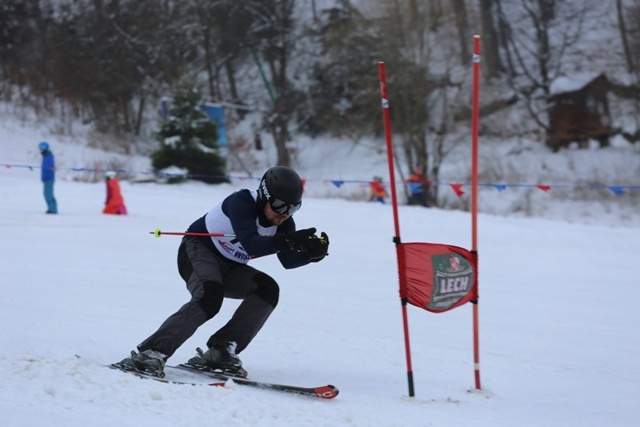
(624, 36)
(223, 28)
(462, 22)
(537, 34)
(422, 52)
(274, 37)
(343, 93)
(108, 58)
(629, 27)
(490, 42)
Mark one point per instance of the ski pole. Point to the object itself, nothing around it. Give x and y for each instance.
(157, 232)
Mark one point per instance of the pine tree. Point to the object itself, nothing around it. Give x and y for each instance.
(188, 139)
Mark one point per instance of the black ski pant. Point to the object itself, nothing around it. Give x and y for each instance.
(210, 278)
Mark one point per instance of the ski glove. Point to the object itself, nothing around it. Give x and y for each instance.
(298, 241)
(318, 247)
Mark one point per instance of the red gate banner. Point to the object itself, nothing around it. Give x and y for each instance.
(437, 277)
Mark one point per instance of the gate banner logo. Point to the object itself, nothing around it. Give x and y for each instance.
(437, 277)
(452, 279)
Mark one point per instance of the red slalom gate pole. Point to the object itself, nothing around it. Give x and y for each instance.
(396, 222)
(474, 199)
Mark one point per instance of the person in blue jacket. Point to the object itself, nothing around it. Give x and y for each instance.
(247, 224)
(48, 176)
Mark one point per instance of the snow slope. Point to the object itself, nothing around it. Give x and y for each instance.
(559, 334)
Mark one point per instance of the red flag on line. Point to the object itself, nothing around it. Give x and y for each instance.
(437, 277)
(457, 188)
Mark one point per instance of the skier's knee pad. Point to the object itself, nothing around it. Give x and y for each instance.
(267, 288)
(212, 297)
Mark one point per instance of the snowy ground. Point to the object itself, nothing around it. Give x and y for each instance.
(559, 333)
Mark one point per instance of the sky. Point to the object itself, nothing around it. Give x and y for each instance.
(558, 317)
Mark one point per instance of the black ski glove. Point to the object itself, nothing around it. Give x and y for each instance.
(318, 247)
(297, 241)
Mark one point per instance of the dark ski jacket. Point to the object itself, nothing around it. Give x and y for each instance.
(246, 230)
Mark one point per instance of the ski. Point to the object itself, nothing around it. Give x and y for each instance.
(325, 392)
(220, 380)
(148, 376)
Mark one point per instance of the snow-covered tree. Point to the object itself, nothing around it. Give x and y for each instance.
(188, 138)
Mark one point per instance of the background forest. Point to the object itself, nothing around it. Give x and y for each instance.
(309, 67)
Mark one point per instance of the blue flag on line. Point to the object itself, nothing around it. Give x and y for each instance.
(616, 190)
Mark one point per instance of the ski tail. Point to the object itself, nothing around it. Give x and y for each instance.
(150, 376)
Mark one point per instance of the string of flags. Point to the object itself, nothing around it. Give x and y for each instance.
(456, 187)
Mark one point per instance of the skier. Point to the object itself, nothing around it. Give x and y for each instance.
(114, 203)
(377, 192)
(216, 267)
(418, 185)
(48, 176)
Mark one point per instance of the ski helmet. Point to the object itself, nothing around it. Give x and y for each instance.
(110, 174)
(43, 146)
(281, 186)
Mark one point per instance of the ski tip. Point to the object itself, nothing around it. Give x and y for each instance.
(327, 392)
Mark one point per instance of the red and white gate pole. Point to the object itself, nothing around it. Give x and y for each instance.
(396, 221)
(475, 115)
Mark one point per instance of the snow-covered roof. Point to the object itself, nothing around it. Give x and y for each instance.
(572, 83)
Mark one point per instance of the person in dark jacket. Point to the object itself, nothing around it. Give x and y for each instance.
(245, 225)
(48, 176)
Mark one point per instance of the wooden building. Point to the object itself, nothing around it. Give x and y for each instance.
(580, 115)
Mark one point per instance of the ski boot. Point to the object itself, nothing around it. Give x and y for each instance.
(220, 358)
(149, 362)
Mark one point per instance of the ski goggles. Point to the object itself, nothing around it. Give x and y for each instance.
(284, 208)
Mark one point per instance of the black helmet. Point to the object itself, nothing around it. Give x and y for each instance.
(281, 186)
